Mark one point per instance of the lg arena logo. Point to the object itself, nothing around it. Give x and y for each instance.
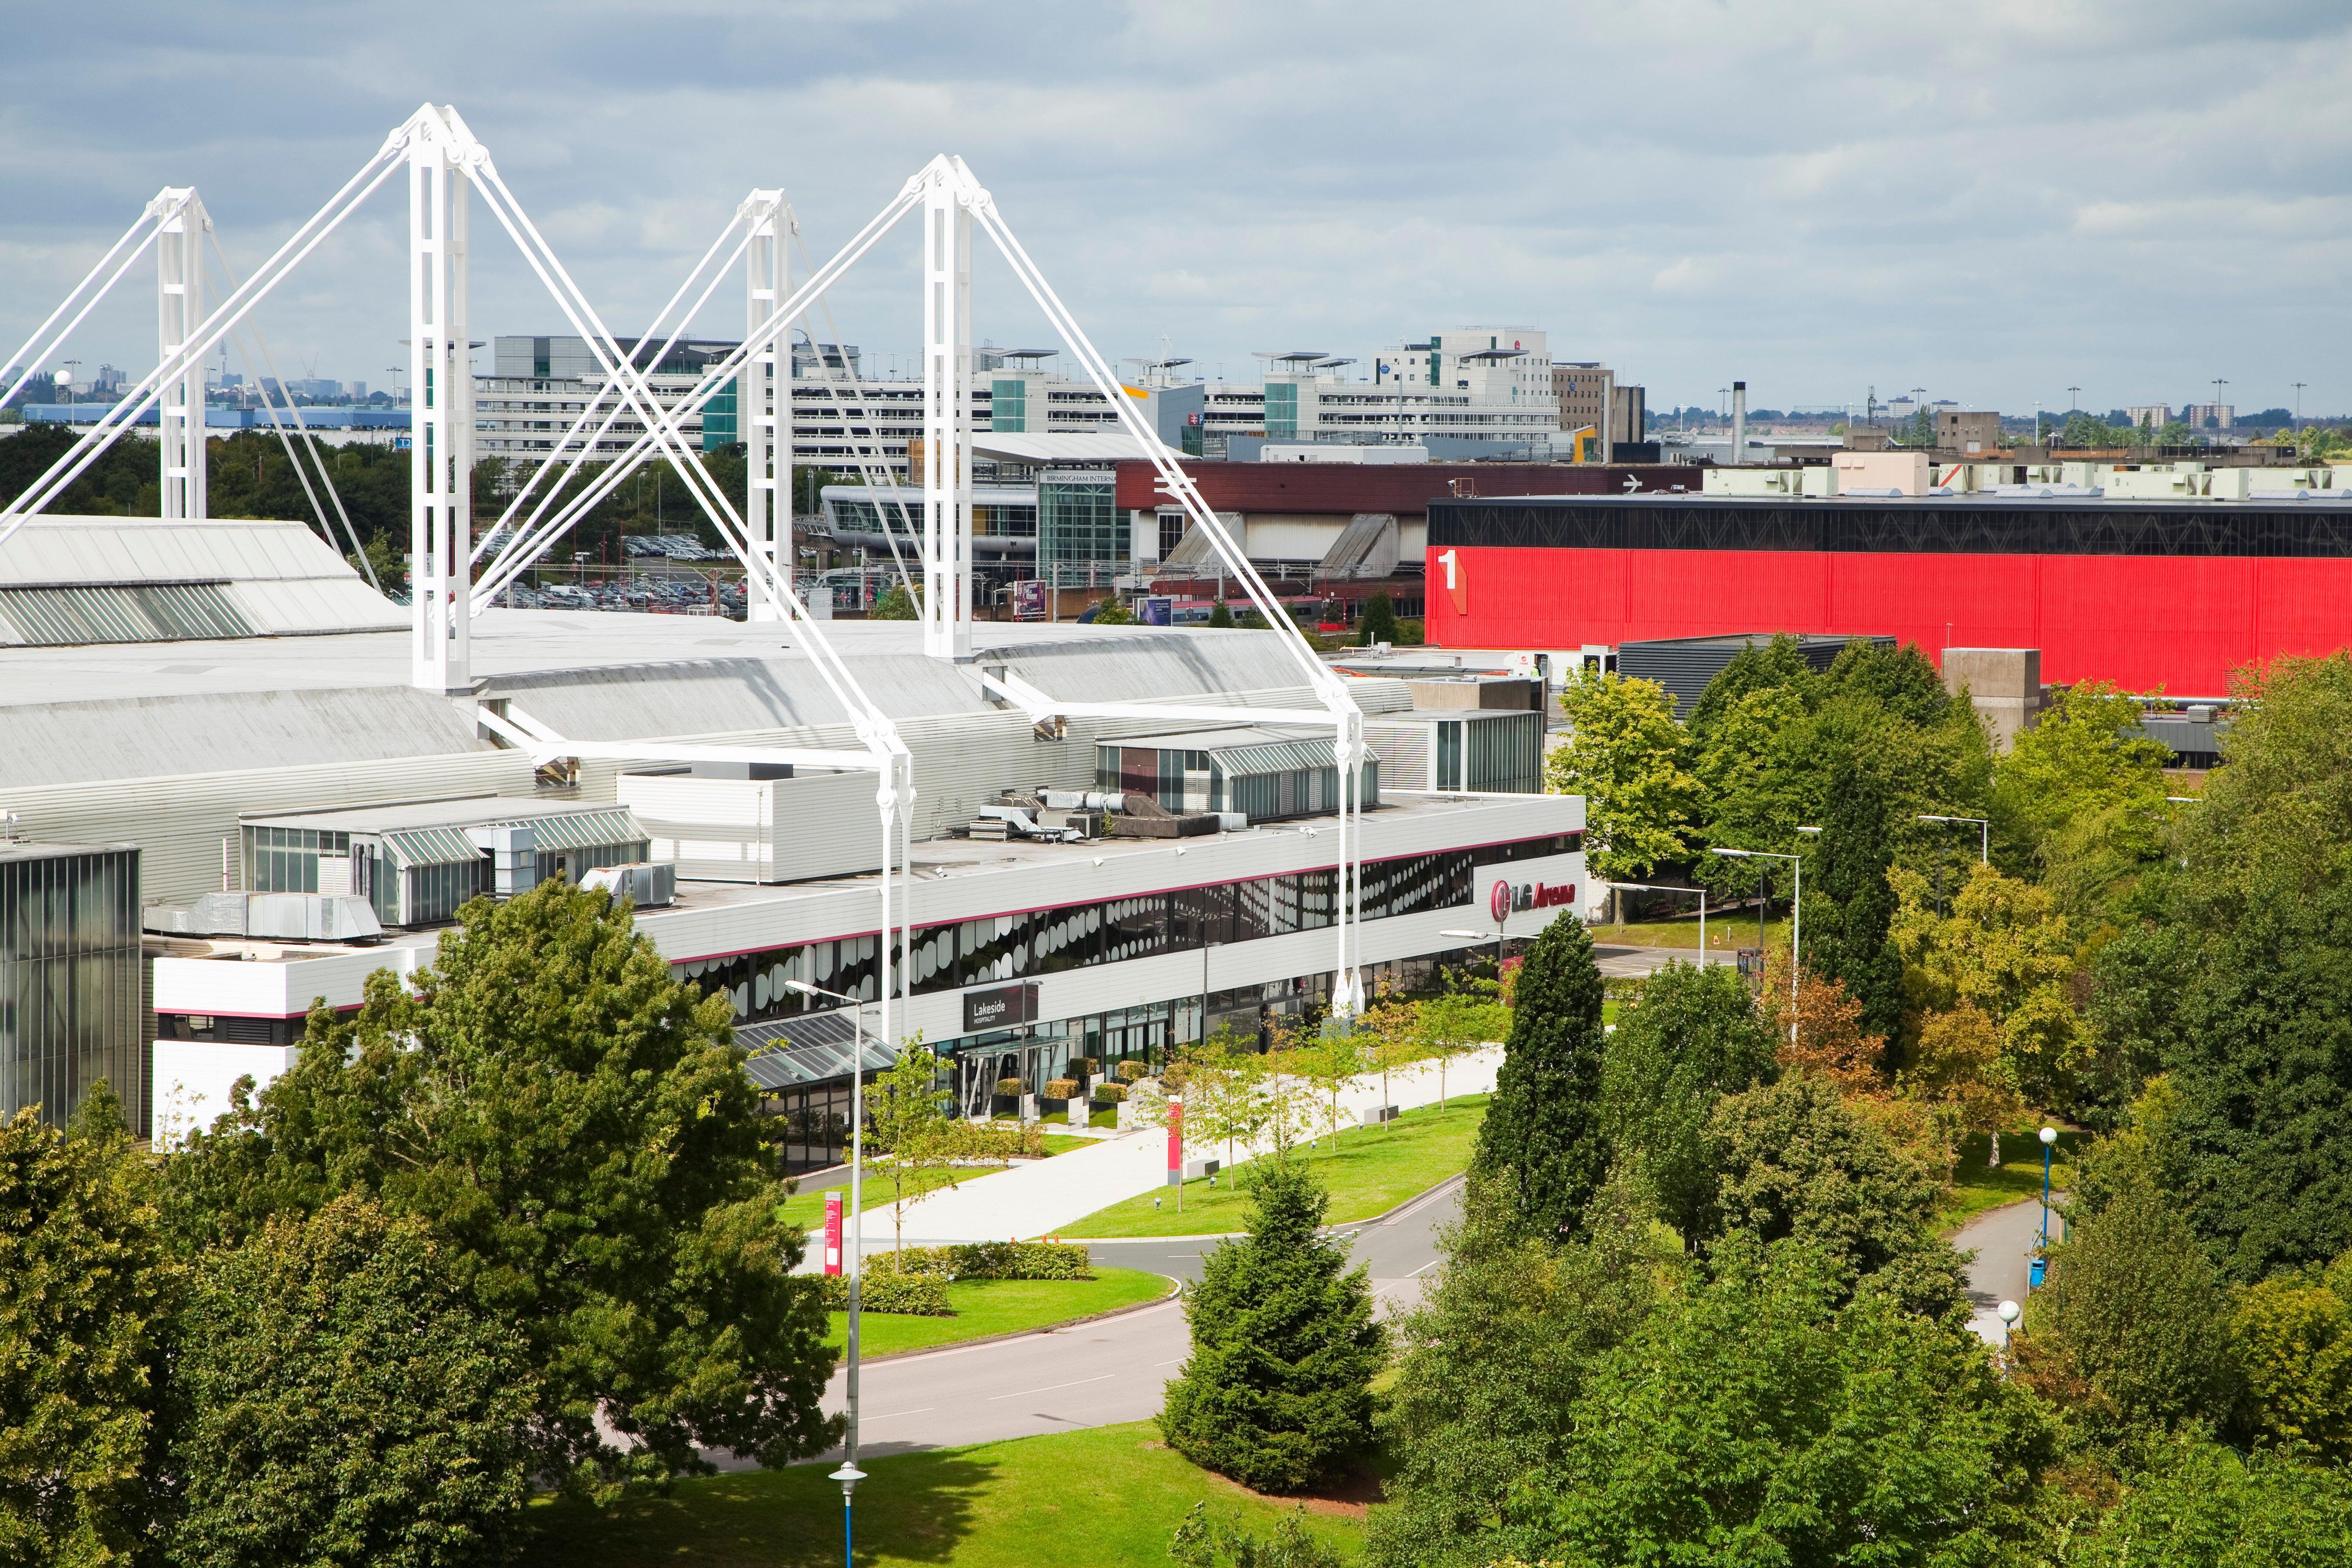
(1505, 900)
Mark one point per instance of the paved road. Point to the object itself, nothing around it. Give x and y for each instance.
(1623, 962)
(1095, 1374)
(2004, 1240)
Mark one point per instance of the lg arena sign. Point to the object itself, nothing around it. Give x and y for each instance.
(1505, 900)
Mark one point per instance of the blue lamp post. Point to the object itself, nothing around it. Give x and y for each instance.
(2041, 1257)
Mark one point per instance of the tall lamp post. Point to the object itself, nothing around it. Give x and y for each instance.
(849, 1475)
(1984, 838)
(1496, 934)
(1654, 888)
(1796, 915)
(2049, 1138)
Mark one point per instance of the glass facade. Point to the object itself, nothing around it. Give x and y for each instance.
(1000, 947)
(1078, 520)
(71, 1002)
(1281, 411)
(718, 419)
(1008, 404)
(286, 859)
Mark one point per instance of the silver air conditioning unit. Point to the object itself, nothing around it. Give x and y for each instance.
(650, 884)
(514, 857)
(278, 917)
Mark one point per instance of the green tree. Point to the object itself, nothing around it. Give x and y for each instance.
(2076, 798)
(346, 1403)
(1278, 1390)
(1490, 1369)
(1625, 754)
(2133, 1329)
(1380, 623)
(85, 1291)
(1850, 905)
(895, 604)
(1222, 614)
(1542, 1138)
(1113, 612)
(2251, 1013)
(2201, 1506)
(2005, 950)
(2292, 1339)
(911, 1124)
(1203, 1540)
(1778, 665)
(1793, 1161)
(575, 1124)
(1456, 1023)
(1764, 1417)
(1689, 1036)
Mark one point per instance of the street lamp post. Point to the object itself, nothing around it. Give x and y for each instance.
(1497, 933)
(1796, 916)
(1984, 839)
(2049, 1138)
(849, 1475)
(1654, 888)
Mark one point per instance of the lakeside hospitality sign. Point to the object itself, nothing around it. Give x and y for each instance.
(998, 1006)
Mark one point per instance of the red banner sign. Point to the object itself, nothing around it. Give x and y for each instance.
(1175, 1140)
(833, 1233)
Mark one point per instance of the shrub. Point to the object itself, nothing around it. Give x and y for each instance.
(901, 1295)
(990, 1260)
(1131, 1071)
(1061, 1089)
(1084, 1066)
(1009, 1087)
(1110, 1093)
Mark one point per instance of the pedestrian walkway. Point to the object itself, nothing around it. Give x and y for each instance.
(1040, 1197)
(2004, 1241)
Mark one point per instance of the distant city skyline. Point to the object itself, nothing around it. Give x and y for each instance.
(2130, 199)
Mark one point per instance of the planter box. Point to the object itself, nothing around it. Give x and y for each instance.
(1003, 1105)
(1374, 1115)
(1056, 1106)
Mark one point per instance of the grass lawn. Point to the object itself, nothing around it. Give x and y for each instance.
(1063, 1143)
(986, 1307)
(1726, 934)
(1976, 1187)
(1074, 1499)
(1373, 1170)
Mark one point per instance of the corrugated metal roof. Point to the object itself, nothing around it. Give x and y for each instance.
(586, 829)
(276, 578)
(432, 846)
(1277, 757)
(139, 737)
(145, 612)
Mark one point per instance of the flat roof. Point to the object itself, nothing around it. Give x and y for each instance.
(456, 812)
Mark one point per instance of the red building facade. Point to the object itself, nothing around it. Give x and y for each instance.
(2150, 596)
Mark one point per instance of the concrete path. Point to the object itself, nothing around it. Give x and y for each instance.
(2004, 1241)
(1041, 1197)
(1092, 1374)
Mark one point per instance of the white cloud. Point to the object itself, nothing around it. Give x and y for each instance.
(1821, 197)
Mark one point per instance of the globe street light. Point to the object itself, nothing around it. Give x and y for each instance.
(1984, 838)
(849, 1475)
(2049, 1138)
(2008, 1313)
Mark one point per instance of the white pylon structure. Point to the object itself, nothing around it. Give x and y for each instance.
(440, 156)
(181, 230)
(763, 399)
(447, 166)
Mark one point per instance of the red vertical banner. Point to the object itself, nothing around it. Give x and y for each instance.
(833, 1233)
(1175, 1143)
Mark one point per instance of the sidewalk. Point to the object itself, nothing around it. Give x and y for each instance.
(1040, 1197)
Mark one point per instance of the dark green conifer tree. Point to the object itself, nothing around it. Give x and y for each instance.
(1542, 1137)
(1223, 616)
(1849, 903)
(1277, 1389)
(1380, 623)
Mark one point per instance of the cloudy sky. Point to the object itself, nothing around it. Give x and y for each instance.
(1994, 201)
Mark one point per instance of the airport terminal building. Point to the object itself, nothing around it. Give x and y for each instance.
(211, 724)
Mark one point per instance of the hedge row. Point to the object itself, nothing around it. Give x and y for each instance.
(1110, 1093)
(985, 1261)
(908, 1295)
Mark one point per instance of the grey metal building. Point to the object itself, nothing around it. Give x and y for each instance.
(70, 978)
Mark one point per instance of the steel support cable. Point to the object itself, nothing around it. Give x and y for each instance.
(310, 440)
(589, 409)
(873, 726)
(631, 384)
(35, 350)
(533, 538)
(864, 470)
(718, 375)
(71, 465)
(1345, 718)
